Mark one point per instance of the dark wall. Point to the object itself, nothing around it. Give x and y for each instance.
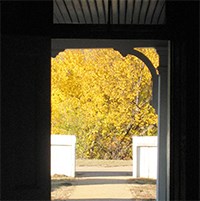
(184, 35)
(25, 93)
(25, 101)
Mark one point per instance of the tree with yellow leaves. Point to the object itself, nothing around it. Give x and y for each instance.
(104, 99)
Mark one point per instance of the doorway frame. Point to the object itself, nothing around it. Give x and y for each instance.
(162, 96)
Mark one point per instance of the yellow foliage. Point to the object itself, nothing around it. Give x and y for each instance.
(151, 54)
(103, 98)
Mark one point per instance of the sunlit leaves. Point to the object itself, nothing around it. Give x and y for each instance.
(151, 54)
(103, 98)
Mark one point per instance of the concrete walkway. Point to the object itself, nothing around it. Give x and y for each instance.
(102, 184)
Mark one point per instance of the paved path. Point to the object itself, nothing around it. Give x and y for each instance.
(102, 184)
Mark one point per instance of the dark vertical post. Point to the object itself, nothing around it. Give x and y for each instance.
(25, 114)
(184, 132)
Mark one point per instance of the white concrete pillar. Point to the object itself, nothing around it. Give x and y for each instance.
(63, 155)
(144, 157)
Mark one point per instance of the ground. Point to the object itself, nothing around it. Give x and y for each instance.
(101, 174)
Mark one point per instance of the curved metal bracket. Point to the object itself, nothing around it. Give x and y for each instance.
(152, 70)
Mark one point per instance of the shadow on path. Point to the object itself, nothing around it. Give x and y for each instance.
(93, 178)
(103, 174)
(104, 185)
(83, 182)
